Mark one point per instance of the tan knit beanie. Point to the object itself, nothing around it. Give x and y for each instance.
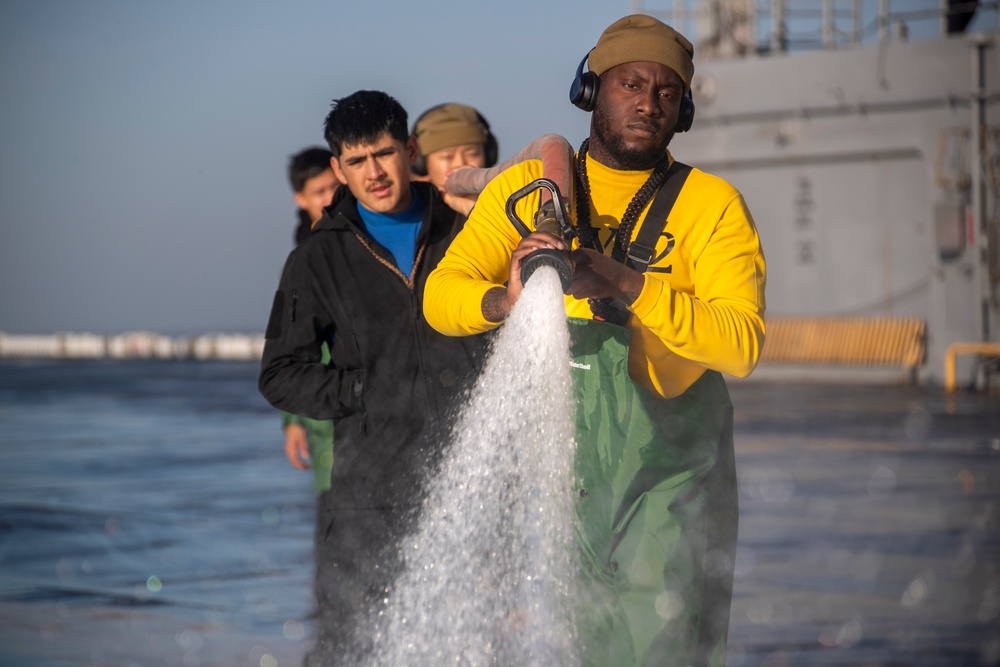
(446, 126)
(642, 38)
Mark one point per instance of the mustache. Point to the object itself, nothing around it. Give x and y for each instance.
(378, 184)
(646, 125)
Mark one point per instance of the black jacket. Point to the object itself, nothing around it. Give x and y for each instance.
(392, 380)
(304, 228)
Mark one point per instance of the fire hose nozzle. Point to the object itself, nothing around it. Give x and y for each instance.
(548, 257)
(551, 217)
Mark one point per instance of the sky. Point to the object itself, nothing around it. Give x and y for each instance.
(144, 145)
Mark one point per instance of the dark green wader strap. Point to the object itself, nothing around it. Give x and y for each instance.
(658, 507)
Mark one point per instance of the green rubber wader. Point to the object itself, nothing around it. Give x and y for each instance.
(658, 506)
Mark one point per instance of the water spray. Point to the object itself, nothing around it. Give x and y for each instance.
(491, 569)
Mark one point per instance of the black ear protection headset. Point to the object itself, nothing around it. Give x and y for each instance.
(490, 148)
(583, 94)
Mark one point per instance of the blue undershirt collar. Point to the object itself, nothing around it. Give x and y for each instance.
(397, 232)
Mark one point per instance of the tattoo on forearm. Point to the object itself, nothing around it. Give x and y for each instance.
(493, 305)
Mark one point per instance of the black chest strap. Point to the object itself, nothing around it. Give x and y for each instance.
(641, 249)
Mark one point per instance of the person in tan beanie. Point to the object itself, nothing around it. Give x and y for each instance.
(666, 295)
(449, 137)
(643, 38)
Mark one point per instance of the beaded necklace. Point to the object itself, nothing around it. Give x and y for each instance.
(623, 236)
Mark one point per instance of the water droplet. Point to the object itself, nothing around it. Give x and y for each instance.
(915, 594)
(716, 563)
(258, 654)
(669, 605)
(849, 634)
(293, 630)
(189, 640)
(769, 486)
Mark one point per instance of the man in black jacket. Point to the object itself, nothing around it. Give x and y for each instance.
(357, 283)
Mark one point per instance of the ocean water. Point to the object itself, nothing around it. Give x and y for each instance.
(148, 517)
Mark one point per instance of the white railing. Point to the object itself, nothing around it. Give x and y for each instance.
(131, 345)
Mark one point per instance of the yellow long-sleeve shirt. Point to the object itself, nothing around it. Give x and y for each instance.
(702, 303)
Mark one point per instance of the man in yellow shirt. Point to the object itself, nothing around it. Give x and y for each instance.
(655, 465)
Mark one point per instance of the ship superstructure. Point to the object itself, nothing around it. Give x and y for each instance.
(865, 137)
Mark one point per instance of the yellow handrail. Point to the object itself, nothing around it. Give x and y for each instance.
(955, 349)
(846, 341)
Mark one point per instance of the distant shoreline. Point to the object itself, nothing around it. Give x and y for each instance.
(131, 345)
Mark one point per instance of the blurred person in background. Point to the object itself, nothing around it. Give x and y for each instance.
(309, 442)
(313, 186)
(449, 137)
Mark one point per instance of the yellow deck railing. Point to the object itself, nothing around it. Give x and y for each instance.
(985, 349)
(845, 341)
